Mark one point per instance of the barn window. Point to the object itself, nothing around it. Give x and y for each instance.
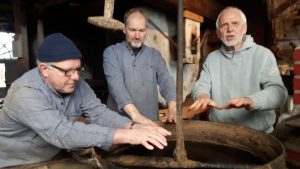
(6, 53)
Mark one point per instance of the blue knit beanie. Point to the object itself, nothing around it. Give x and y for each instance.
(57, 47)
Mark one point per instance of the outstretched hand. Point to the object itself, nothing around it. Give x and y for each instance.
(201, 104)
(239, 102)
(149, 136)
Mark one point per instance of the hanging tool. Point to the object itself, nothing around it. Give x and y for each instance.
(106, 21)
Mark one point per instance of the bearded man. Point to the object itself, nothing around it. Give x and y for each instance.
(133, 71)
(240, 82)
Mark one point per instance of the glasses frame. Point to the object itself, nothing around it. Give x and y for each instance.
(67, 72)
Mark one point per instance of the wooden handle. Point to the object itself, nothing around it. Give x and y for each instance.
(109, 8)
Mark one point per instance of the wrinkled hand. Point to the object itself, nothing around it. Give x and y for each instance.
(170, 116)
(142, 119)
(201, 104)
(149, 136)
(136, 116)
(239, 102)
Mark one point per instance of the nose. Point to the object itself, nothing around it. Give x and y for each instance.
(75, 76)
(137, 34)
(230, 28)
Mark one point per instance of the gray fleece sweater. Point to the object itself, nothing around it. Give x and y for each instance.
(250, 72)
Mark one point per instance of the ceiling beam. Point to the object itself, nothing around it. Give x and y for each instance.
(283, 5)
(6, 8)
(42, 5)
(206, 8)
(296, 20)
(55, 2)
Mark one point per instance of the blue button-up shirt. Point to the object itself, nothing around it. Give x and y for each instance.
(36, 122)
(134, 79)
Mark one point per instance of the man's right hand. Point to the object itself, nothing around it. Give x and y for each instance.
(149, 136)
(201, 104)
(136, 116)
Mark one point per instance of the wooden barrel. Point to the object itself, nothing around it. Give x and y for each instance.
(208, 145)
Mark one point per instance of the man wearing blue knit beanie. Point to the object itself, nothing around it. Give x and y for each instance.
(41, 111)
(57, 47)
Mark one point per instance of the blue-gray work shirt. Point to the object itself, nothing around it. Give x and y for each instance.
(134, 79)
(36, 122)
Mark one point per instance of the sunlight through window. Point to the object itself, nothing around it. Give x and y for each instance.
(6, 53)
(6, 40)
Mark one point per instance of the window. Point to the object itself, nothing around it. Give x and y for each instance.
(6, 40)
(6, 53)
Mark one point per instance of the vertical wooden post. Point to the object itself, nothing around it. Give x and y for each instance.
(179, 152)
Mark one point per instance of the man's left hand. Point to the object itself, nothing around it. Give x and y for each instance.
(171, 114)
(239, 102)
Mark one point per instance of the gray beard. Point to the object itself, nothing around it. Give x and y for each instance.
(136, 45)
(232, 44)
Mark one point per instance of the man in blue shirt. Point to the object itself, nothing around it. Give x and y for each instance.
(41, 111)
(133, 72)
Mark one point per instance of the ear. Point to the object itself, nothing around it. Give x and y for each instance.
(245, 29)
(218, 34)
(44, 69)
(124, 30)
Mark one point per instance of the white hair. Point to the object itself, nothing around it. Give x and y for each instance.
(244, 19)
(38, 62)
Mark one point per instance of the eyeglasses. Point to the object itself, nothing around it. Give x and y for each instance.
(68, 72)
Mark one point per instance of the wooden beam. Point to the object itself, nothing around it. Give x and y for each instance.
(6, 8)
(166, 5)
(193, 16)
(19, 16)
(278, 8)
(207, 8)
(42, 5)
(55, 2)
(296, 17)
(296, 20)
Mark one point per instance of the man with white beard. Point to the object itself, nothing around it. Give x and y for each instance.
(133, 71)
(240, 82)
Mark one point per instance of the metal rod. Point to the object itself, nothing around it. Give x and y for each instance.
(179, 152)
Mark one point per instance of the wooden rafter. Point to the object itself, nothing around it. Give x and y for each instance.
(6, 8)
(278, 8)
(206, 8)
